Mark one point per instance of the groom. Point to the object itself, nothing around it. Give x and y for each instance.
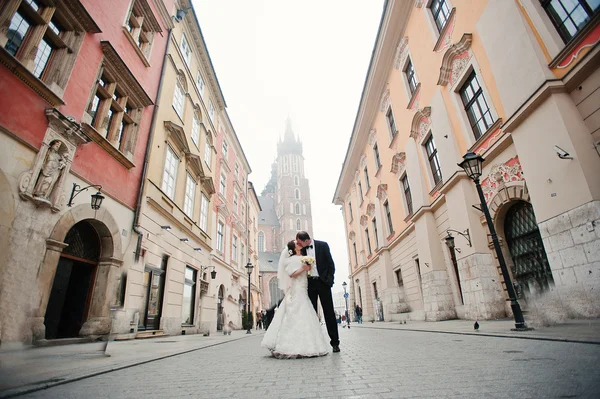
(321, 281)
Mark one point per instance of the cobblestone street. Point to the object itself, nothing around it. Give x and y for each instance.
(373, 363)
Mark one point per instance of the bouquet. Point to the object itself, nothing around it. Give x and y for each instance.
(308, 260)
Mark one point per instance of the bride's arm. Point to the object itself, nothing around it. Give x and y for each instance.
(292, 271)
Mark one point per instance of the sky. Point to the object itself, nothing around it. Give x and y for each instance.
(303, 59)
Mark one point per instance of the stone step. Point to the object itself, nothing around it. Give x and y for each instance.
(150, 334)
(64, 341)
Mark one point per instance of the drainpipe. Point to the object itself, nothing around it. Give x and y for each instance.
(136, 217)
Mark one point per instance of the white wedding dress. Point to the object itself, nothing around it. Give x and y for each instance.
(295, 331)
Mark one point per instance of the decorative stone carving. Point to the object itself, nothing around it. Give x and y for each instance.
(401, 53)
(352, 235)
(371, 209)
(382, 191)
(385, 101)
(501, 174)
(363, 161)
(454, 51)
(445, 38)
(44, 182)
(420, 123)
(364, 219)
(372, 136)
(458, 66)
(418, 3)
(398, 163)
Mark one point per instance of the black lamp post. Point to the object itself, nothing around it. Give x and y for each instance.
(249, 268)
(472, 166)
(97, 198)
(346, 298)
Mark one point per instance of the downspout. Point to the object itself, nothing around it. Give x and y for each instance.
(136, 217)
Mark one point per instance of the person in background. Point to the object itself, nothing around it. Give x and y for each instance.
(358, 312)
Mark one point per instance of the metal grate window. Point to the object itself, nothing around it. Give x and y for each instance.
(83, 242)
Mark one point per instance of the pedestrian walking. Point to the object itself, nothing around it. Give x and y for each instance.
(358, 312)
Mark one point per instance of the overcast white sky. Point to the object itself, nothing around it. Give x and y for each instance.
(304, 59)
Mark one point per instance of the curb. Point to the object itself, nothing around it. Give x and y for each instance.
(39, 386)
(496, 335)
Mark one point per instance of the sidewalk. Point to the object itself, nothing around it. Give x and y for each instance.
(35, 368)
(583, 331)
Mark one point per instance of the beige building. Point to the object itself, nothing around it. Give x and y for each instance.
(446, 79)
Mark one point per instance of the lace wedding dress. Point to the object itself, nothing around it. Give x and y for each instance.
(295, 331)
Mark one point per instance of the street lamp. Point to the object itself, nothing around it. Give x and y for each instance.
(471, 164)
(249, 268)
(346, 298)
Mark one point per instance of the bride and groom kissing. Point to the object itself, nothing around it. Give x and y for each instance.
(305, 275)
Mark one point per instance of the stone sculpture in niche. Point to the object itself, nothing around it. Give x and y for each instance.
(53, 166)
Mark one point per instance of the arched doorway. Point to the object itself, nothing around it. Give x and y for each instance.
(71, 292)
(530, 269)
(221, 298)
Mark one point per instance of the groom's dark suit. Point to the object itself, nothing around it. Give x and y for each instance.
(320, 287)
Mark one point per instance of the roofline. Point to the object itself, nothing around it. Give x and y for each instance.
(251, 187)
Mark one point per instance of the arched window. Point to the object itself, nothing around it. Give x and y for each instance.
(297, 194)
(298, 225)
(297, 209)
(296, 181)
(261, 241)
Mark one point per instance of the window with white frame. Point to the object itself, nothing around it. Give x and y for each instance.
(434, 162)
(236, 171)
(235, 201)
(388, 216)
(195, 130)
(207, 152)
(223, 184)
(391, 122)
(190, 195)
(224, 149)
(200, 83)
(179, 99)
(407, 195)
(297, 209)
(476, 106)
(297, 194)
(440, 12)
(368, 240)
(376, 156)
(296, 181)
(204, 213)
(411, 78)
(234, 248)
(186, 50)
(211, 110)
(261, 241)
(170, 173)
(375, 232)
(242, 252)
(220, 236)
(298, 225)
(570, 16)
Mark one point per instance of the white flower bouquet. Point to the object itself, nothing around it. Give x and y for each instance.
(308, 260)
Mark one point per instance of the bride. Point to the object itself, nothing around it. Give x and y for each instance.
(295, 331)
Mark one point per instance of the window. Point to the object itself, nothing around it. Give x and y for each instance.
(570, 16)
(355, 253)
(220, 232)
(211, 110)
(140, 29)
(440, 12)
(170, 173)
(204, 213)
(480, 117)
(297, 209)
(297, 194)
(224, 149)
(399, 278)
(388, 215)
(360, 193)
(367, 182)
(375, 233)
(368, 240)
(242, 252)
(196, 130)
(391, 122)
(410, 77)
(407, 195)
(207, 151)
(434, 162)
(223, 184)
(235, 202)
(295, 164)
(186, 50)
(291, 224)
(296, 181)
(200, 83)
(189, 296)
(234, 248)
(291, 207)
(190, 194)
(261, 241)
(236, 171)
(350, 217)
(298, 225)
(179, 99)
(377, 158)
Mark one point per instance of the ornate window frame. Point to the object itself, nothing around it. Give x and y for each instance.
(140, 27)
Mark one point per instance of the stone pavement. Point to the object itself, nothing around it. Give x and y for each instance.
(377, 360)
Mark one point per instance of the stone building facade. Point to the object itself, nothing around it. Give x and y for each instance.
(445, 79)
(79, 84)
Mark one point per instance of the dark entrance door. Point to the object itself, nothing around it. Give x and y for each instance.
(72, 288)
(154, 284)
(220, 309)
(531, 269)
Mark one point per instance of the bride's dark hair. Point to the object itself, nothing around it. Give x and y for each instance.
(292, 247)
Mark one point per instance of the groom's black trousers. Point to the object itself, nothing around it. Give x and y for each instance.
(318, 289)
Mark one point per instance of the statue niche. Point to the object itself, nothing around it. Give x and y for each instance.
(52, 168)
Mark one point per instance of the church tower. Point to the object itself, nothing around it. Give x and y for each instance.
(293, 194)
